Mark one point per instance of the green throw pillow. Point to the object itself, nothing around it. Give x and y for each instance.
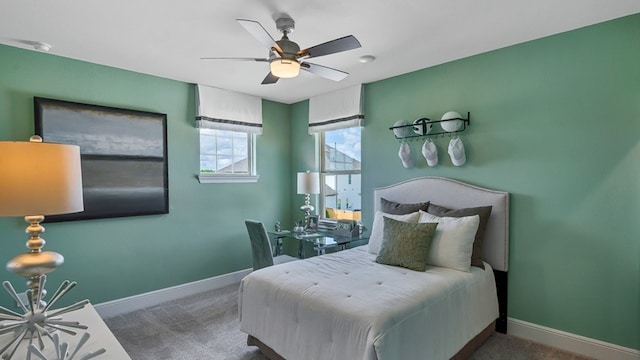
(406, 244)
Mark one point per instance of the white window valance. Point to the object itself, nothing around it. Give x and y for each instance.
(337, 110)
(227, 110)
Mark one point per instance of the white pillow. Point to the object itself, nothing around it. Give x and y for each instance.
(452, 243)
(375, 239)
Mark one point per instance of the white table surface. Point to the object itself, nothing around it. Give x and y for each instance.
(101, 337)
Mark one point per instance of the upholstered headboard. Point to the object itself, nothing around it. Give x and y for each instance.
(456, 194)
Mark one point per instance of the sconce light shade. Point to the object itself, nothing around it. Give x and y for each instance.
(453, 125)
(39, 178)
(284, 68)
(308, 183)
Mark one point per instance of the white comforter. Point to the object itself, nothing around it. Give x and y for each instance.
(345, 306)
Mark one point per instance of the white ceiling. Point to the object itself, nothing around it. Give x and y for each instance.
(167, 38)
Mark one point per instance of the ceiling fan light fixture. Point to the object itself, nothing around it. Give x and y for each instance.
(284, 68)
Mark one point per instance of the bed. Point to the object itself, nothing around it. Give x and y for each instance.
(347, 306)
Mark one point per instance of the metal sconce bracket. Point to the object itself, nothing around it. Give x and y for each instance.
(465, 123)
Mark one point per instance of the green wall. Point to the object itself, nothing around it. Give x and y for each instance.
(555, 122)
(202, 236)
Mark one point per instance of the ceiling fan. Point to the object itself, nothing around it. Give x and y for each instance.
(285, 57)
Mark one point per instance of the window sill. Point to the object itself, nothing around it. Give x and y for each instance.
(221, 179)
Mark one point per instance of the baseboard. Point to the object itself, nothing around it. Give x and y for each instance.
(570, 342)
(121, 306)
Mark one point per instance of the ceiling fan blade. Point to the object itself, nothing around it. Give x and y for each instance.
(257, 31)
(331, 47)
(270, 79)
(235, 59)
(325, 72)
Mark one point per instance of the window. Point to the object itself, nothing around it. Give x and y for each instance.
(226, 156)
(340, 194)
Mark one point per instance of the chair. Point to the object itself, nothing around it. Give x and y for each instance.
(261, 246)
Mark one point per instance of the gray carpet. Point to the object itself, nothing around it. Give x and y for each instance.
(205, 326)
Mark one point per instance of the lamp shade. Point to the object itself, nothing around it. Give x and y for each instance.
(308, 183)
(39, 178)
(284, 68)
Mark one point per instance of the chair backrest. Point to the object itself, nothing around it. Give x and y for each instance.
(260, 244)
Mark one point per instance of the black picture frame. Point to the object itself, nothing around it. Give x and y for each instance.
(123, 156)
(312, 223)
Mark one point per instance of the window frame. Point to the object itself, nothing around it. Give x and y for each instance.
(324, 172)
(250, 177)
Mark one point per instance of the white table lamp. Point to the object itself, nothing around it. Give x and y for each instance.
(38, 179)
(308, 183)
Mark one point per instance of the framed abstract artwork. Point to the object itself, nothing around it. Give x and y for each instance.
(123, 156)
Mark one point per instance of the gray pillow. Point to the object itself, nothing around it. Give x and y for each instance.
(396, 208)
(406, 244)
(483, 211)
